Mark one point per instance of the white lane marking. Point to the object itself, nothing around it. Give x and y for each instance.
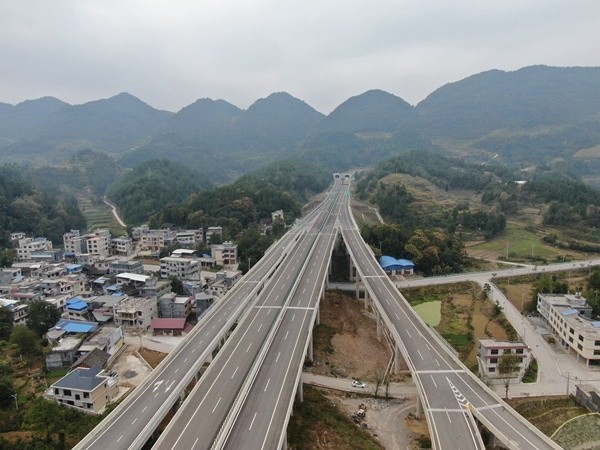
(252, 423)
(277, 359)
(407, 332)
(267, 385)
(157, 385)
(195, 442)
(177, 370)
(259, 328)
(286, 335)
(419, 352)
(156, 395)
(170, 386)
(217, 404)
(436, 361)
(185, 360)
(145, 408)
(303, 290)
(249, 347)
(193, 350)
(120, 437)
(293, 317)
(235, 371)
(134, 421)
(433, 379)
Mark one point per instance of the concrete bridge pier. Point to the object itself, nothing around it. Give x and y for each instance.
(310, 348)
(299, 391)
(379, 325)
(419, 407)
(318, 316)
(397, 360)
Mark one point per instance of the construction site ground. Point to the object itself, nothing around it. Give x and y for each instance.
(346, 346)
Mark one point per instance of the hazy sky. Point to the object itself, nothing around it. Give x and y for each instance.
(170, 53)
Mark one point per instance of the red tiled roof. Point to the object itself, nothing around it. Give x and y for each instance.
(168, 324)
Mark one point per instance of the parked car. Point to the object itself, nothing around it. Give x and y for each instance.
(358, 384)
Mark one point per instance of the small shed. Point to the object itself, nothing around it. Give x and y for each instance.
(165, 326)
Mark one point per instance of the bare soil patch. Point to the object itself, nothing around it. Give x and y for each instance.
(152, 357)
(346, 342)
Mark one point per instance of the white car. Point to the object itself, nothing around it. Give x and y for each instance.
(358, 384)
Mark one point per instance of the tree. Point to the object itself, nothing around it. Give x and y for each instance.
(508, 366)
(6, 323)
(26, 340)
(6, 393)
(177, 286)
(42, 316)
(7, 256)
(44, 416)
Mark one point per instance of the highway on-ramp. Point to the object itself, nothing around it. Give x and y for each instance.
(452, 396)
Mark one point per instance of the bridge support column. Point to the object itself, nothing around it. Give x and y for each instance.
(357, 286)
(318, 318)
(197, 377)
(182, 396)
(397, 360)
(310, 349)
(379, 330)
(300, 392)
(419, 408)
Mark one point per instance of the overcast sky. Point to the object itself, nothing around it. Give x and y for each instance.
(170, 53)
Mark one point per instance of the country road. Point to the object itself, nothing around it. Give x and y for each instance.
(114, 212)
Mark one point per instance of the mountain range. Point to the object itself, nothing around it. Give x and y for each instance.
(534, 115)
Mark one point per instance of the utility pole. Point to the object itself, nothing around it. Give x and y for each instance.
(568, 379)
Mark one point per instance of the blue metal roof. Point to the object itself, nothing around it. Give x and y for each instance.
(73, 327)
(406, 263)
(391, 263)
(77, 306)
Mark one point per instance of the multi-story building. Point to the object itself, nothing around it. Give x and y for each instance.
(121, 246)
(190, 237)
(108, 339)
(27, 246)
(98, 243)
(225, 254)
(135, 312)
(214, 231)
(182, 268)
(14, 237)
(18, 310)
(86, 389)
(77, 309)
(118, 266)
(153, 242)
(490, 352)
(173, 306)
(570, 319)
(74, 243)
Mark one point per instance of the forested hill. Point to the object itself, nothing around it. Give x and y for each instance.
(533, 116)
(34, 210)
(150, 186)
(285, 185)
(496, 100)
(56, 130)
